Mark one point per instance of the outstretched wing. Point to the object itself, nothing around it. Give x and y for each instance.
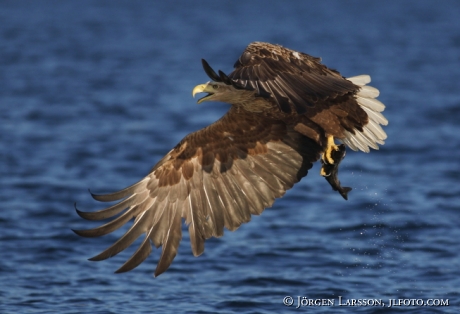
(294, 79)
(214, 178)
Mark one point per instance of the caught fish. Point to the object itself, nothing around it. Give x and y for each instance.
(331, 171)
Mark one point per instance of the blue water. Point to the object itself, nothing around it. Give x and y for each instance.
(93, 93)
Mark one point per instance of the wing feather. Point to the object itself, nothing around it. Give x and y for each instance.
(138, 257)
(211, 181)
(295, 76)
(160, 223)
(215, 213)
(171, 240)
(113, 225)
(122, 193)
(115, 209)
(243, 206)
(196, 238)
(232, 214)
(138, 228)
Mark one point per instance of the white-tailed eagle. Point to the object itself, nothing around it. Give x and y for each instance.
(286, 111)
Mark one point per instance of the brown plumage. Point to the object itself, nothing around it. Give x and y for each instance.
(286, 109)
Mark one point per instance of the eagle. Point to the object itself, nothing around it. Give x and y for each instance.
(287, 110)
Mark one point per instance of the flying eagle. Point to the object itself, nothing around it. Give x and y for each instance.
(286, 111)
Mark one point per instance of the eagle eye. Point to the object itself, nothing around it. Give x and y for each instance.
(215, 86)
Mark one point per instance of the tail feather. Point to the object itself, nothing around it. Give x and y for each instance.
(372, 133)
(360, 80)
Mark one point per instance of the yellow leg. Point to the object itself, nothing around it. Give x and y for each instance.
(327, 157)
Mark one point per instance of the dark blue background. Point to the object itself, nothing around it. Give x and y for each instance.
(94, 93)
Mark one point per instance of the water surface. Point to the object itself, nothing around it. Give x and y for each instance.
(94, 93)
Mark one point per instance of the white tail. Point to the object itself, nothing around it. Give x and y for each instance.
(373, 133)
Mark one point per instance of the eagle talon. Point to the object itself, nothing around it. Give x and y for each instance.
(327, 155)
(323, 171)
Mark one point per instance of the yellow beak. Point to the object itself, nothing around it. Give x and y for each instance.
(203, 88)
(198, 89)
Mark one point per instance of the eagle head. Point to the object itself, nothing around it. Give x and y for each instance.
(223, 88)
(217, 91)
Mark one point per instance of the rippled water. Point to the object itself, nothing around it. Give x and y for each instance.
(93, 93)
